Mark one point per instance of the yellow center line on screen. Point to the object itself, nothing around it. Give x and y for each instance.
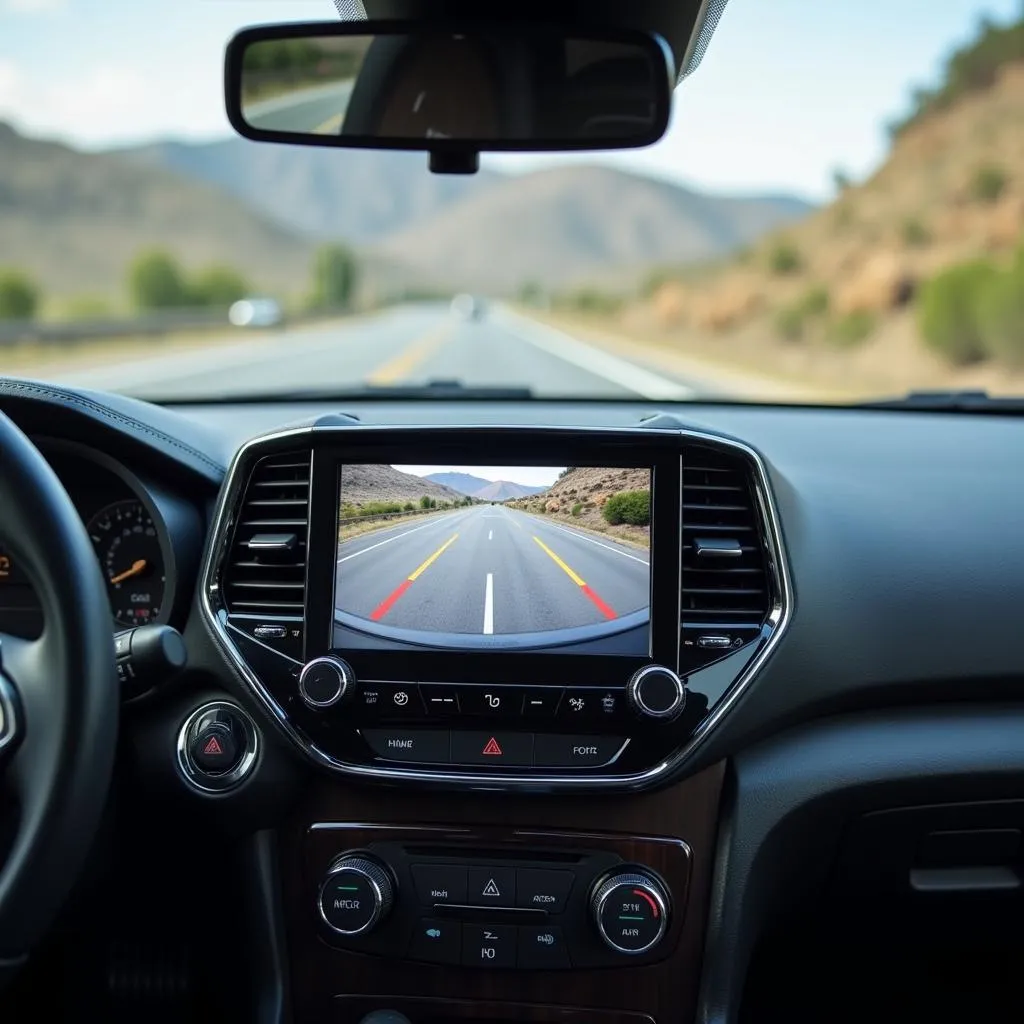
(588, 591)
(389, 602)
(578, 580)
(433, 558)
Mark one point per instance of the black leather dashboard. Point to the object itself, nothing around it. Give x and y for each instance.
(901, 675)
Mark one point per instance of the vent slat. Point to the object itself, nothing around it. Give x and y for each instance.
(268, 579)
(718, 502)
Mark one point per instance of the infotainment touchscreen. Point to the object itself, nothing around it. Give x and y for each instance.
(492, 556)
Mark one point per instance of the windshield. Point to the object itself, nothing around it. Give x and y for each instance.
(836, 214)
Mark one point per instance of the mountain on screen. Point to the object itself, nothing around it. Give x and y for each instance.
(485, 490)
(464, 483)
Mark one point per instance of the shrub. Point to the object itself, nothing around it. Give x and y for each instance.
(155, 281)
(577, 510)
(632, 507)
(1001, 315)
(335, 272)
(218, 286)
(789, 323)
(785, 258)
(19, 296)
(915, 234)
(815, 301)
(988, 184)
(851, 329)
(408, 507)
(947, 312)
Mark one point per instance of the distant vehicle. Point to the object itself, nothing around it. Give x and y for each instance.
(256, 313)
(468, 307)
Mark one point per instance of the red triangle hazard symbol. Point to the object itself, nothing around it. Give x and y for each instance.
(492, 747)
(212, 746)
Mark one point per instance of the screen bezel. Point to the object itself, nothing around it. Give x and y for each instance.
(503, 446)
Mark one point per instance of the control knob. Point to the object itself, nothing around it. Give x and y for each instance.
(326, 681)
(356, 895)
(630, 910)
(656, 693)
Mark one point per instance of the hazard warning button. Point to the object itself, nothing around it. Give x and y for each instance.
(215, 749)
(508, 749)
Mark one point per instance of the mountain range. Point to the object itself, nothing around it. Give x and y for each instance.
(75, 220)
(484, 490)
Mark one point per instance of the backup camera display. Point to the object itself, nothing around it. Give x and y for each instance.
(492, 556)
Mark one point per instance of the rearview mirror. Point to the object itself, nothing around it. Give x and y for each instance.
(449, 89)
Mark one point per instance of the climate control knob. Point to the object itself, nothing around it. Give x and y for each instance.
(630, 911)
(326, 681)
(356, 895)
(656, 693)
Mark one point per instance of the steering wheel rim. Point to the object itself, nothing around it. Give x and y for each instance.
(62, 694)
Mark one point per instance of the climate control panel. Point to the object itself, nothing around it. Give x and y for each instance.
(536, 909)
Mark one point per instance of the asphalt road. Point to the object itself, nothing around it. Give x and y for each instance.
(318, 109)
(413, 344)
(489, 570)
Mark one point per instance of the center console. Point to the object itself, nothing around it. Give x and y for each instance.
(523, 636)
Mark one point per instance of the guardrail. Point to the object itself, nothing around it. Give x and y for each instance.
(381, 516)
(41, 332)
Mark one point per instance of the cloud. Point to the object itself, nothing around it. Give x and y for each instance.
(111, 104)
(32, 6)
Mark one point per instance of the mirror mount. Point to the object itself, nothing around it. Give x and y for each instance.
(454, 161)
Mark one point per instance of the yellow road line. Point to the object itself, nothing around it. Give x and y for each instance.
(331, 126)
(433, 558)
(409, 358)
(579, 581)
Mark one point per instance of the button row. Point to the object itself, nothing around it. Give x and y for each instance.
(529, 947)
(495, 749)
(532, 888)
(592, 705)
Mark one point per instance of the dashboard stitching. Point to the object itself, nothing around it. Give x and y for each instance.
(72, 398)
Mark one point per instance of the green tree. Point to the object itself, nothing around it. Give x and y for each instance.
(1001, 314)
(19, 296)
(335, 273)
(948, 312)
(155, 281)
(217, 286)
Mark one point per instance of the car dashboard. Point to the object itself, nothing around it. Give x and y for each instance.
(600, 824)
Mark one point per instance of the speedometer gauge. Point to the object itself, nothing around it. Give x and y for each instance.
(128, 548)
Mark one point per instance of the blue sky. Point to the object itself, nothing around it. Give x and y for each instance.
(788, 91)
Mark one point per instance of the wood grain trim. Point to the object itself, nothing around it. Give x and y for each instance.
(636, 827)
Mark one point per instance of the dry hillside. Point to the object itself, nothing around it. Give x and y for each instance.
(74, 221)
(584, 490)
(365, 483)
(831, 299)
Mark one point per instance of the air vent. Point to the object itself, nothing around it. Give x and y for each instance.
(726, 590)
(266, 570)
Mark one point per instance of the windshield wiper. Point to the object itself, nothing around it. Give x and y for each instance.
(948, 401)
(435, 389)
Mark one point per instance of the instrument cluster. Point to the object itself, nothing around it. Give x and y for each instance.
(127, 521)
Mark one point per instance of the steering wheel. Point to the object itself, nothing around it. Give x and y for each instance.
(59, 702)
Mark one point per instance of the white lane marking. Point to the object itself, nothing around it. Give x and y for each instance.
(490, 535)
(583, 536)
(398, 536)
(489, 605)
(595, 360)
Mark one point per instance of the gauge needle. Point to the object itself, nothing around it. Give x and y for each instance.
(136, 568)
